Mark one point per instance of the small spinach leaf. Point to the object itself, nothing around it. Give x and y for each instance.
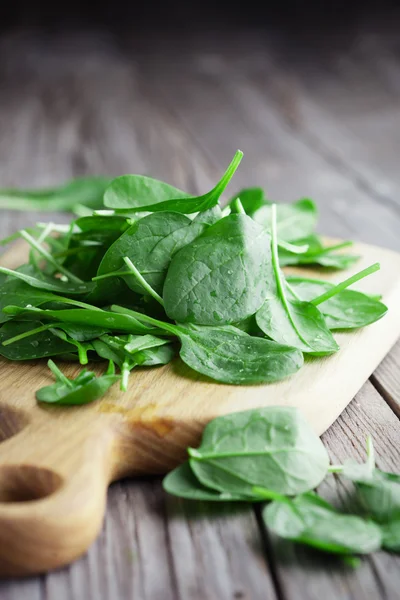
(251, 198)
(391, 535)
(348, 309)
(310, 520)
(85, 388)
(295, 221)
(87, 191)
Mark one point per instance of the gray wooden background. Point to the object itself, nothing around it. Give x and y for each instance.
(313, 119)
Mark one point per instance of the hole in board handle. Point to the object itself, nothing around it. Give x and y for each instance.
(25, 483)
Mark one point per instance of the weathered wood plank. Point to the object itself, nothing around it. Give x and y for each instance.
(386, 379)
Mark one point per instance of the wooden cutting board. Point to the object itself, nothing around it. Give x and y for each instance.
(56, 463)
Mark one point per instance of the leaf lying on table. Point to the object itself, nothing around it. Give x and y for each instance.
(273, 448)
(312, 521)
(87, 191)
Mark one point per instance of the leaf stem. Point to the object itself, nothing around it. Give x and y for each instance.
(370, 453)
(58, 374)
(142, 280)
(26, 334)
(345, 284)
(237, 207)
(269, 494)
(227, 176)
(111, 274)
(32, 242)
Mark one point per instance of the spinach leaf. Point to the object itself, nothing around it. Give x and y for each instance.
(209, 216)
(87, 191)
(85, 388)
(228, 354)
(348, 309)
(317, 254)
(43, 282)
(221, 277)
(96, 317)
(251, 198)
(310, 520)
(292, 322)
(271, 447)
(40, 345)
(391, 535)
(150, 243)
(101, 223)
(295, 221)
(139, 193)
(182, 482)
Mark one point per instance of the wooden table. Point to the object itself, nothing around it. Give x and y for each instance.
(318, 120)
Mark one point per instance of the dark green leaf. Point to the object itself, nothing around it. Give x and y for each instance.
(86, 191)
(36, 346)
(82, 390)
(181, 482)
(139, 193)
(391, 535)
(251, 198)
(295, 221)
(292, 322)
(221, 277)
(347, 310)
(150, 243)
(273, 448)
(309, 520)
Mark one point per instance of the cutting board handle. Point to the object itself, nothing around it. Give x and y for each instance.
(52, 494)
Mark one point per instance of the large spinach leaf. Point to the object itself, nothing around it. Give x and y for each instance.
(221, 277)
(227, 354)
(272, 447)
(150, 243)
(139, 193)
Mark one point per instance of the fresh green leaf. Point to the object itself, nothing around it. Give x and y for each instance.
(139, 193)
(150, 243)
(50, 284)
(251, 198)
(391, 535)
(181, 482)
(309, 520)
(221, 277)
(228, 354)
(273, 448)
(87, 191)
(84, 389)
(292, 322)
(349, 309)
(209, 216)
(295, 221)
(36, 346)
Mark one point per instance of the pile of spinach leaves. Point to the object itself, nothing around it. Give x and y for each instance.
(154, 272)
(271, 454)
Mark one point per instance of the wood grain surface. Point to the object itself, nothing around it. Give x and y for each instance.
(317, 118)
